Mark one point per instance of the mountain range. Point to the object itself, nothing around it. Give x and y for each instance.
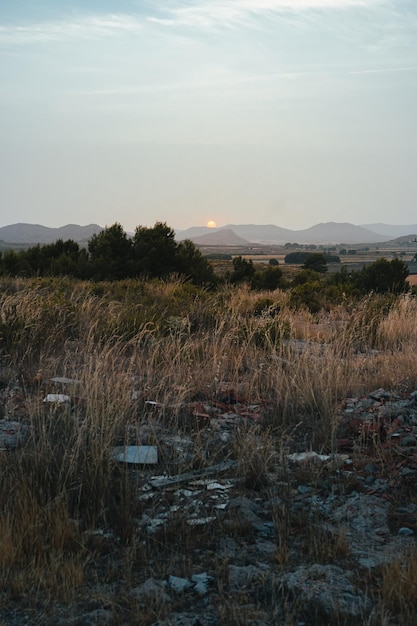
(35, 233)
(324, 233)
(230, 235)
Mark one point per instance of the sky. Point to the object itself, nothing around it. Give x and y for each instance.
(285, 112)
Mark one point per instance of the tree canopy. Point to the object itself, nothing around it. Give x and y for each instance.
(113, 255)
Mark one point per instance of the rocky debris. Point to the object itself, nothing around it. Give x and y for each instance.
(327, 591)
(151, 591)
(201, 583)
(379, 416)
(303, 542)
(169, 481)
(178, 584)
(313, 457)
(201, 502)
(189, 619)
(247, 577)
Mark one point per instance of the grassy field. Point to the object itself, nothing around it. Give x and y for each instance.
(174, 345)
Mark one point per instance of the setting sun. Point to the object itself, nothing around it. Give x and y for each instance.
(211, 224)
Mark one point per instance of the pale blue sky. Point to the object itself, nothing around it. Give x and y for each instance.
(289, 112)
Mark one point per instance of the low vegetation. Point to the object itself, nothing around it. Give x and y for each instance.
(172, 343)
(153, 253)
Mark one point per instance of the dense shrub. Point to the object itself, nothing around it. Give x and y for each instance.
(382, 276)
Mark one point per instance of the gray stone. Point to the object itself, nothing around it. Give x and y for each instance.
(363, 513)
(201, 583)
(380, 394)
(246, 576)
(304, 489)
(266, 548)
(153, 590)
(327, 590)
(208, 618)
(246, 509)
(57, 398)
(179, 584)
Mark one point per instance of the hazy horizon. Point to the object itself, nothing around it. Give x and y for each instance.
(296, 112)
(205, 226)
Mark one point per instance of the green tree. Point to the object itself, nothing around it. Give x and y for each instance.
(154, 251)
(243, 270)
(60, 258)
(110, 254)
(16, 264)
(316, 261)
(296, 257)
(193, 265)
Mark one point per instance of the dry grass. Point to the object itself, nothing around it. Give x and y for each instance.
(169, 343)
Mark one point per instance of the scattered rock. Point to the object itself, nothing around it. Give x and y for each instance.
(201, 583)
(178, 584)
(242, 578)
(151, 590)
(326, 591)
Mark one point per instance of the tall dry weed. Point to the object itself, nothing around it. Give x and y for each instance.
(135, 342)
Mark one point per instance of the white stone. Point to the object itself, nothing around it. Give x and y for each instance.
(58, 398)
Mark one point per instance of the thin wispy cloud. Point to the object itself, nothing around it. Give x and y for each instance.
(236, 81)
(214, 12)
(79, 28)
(201, 14)
(195, 85)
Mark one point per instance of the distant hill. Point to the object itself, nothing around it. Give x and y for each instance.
(335, 232)
(392, 230)
(35, 233)
(326, 233)
(267, 233)
(250, 233)
(405, 239)
(220, 237)
(231, 234)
